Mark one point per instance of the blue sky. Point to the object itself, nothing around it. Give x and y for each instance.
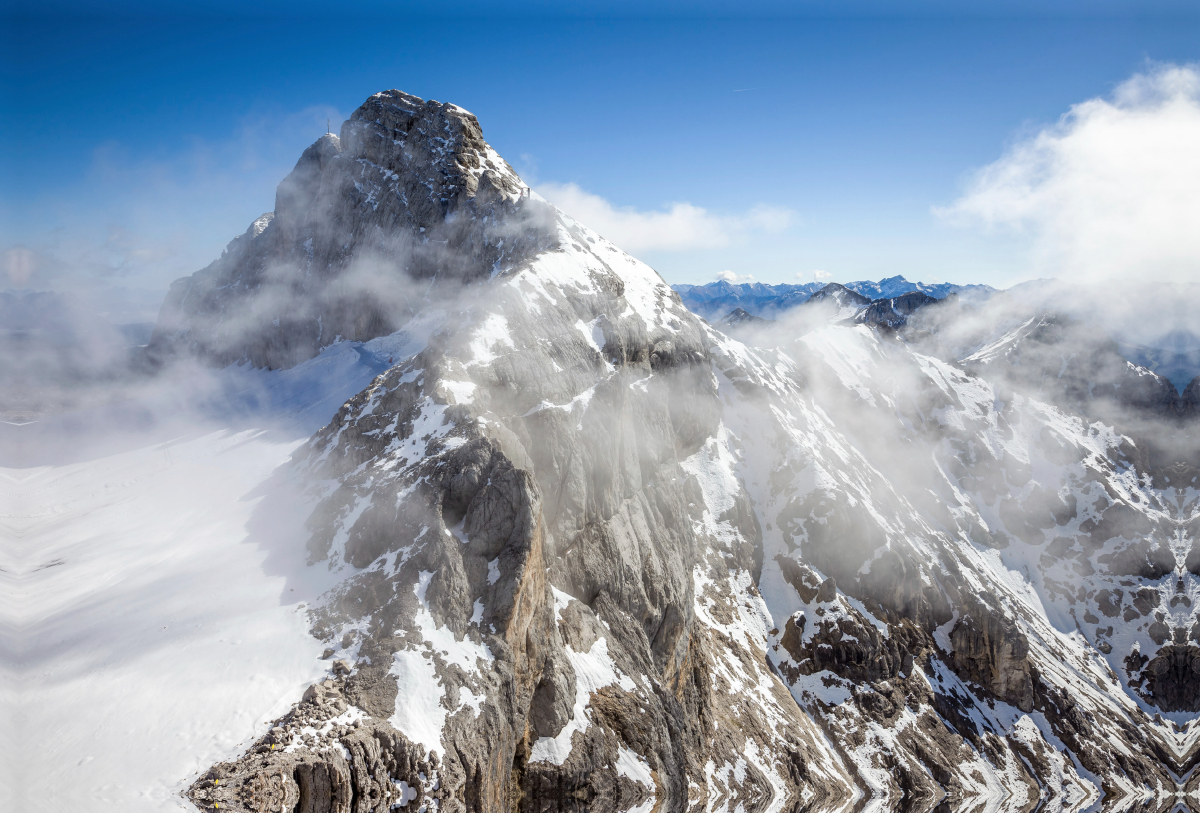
(136, 148)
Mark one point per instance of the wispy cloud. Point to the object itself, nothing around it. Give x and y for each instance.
(729, 276)
(679, 227)
(1112, 189)
(143, 218)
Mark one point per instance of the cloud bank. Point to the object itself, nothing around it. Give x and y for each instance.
(1111, 190)
(679, 227)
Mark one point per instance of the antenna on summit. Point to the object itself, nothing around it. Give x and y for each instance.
(326, 126)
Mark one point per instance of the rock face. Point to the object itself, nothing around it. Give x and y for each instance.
(592, 554)
(737, 317)
(323, 757)
(842, 295)
(893, 313)
(1173, 678)
(1073, 364)
(409, 197)
(1189, 401)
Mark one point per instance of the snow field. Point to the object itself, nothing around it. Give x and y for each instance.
(142, 638)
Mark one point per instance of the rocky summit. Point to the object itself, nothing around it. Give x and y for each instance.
(592, 554)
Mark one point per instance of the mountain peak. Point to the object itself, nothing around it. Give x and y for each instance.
(397, 130)
(561, 488)
(363, 216)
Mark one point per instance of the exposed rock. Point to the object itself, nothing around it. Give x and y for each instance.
(408, 192)
(1173, 678)
(893, 313)
(308, 763)
(993, 653)
(842, 295)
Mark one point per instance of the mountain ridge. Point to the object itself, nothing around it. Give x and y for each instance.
(713, 300)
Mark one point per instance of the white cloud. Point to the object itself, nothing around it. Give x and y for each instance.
(821, 274)
(679, 227)
(1112, 189)
(729, 276)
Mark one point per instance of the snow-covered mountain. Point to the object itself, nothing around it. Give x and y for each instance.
(586, 552)
(716, 299)
(832, 304)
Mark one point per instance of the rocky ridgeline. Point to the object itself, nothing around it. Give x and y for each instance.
(408, 193)
(935, 599)
(594, 555)
(1077, 366)
(324, 756)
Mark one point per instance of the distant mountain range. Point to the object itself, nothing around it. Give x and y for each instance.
(716, 299)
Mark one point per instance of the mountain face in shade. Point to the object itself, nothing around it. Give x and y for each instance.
(591, 554)
(737, 318)
(893, 312)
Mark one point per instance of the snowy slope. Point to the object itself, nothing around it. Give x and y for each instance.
(615, 345)
(844, 473)
(143, 639)
(848, 456)
(154, 594)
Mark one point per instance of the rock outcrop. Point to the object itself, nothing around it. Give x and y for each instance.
(323, 757)
(893, 313)
(841, 295)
